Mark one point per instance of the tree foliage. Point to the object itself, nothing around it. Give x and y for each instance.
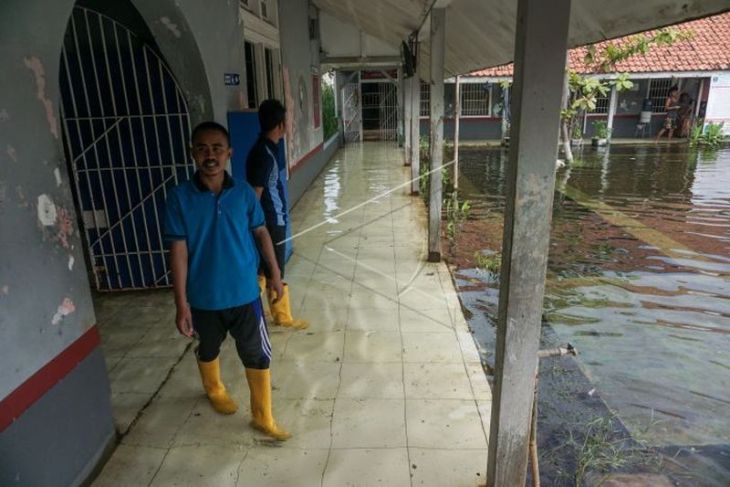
(585, 90)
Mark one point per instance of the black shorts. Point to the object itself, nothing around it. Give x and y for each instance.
(246, 325)
(278, 236)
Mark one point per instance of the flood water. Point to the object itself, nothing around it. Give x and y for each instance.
(638, 280)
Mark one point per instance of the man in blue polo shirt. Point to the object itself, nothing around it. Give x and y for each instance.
(211, 223)
(262, 172)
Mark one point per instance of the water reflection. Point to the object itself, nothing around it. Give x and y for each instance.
(639, 280)
(332, 190)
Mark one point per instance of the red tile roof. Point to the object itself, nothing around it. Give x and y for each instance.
(707, 50)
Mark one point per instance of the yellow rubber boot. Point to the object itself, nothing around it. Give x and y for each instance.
(281, 312)
(259, 385)
(262, 290)
(215, 390)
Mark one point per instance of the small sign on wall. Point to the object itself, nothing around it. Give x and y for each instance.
(232, 79)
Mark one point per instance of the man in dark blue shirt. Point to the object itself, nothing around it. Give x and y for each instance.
(210, 223)
(263, 174)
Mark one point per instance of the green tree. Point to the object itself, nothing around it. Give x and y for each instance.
(583, 91)
(329, 116)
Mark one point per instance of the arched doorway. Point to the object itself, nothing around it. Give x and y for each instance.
(126, 125)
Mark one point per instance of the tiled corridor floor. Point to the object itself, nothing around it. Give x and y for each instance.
(385, 387)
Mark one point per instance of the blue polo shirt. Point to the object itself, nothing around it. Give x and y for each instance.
(222, 255)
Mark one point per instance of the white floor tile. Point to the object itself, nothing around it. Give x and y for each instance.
(371, 381)
(367, 468)
(437, 381)
(431, 347)
(315, 346)
(368, 423)
(130, 465)
(455, 468)
(372, 319)
(373, 346)
(200, 465)
(281, 467)
(444, 423)
(305, 380)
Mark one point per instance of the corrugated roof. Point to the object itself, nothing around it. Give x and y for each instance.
(482, 32)
(707, 50)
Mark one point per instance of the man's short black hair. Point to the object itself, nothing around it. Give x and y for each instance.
(206, 126)
(271, 114)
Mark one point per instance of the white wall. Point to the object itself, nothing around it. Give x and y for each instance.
(300, 61)
(718, 100)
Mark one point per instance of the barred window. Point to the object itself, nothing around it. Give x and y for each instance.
(425, 99)
(658, 92)
(602, 103)
(475, 99)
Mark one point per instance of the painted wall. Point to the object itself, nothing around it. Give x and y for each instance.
(45, 301)
(300, 61)
(300, 181)
(201, 41)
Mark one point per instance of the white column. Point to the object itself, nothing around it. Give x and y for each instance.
(407, 114)
(505, 116)
(540, 52)
(457, 117)
(438, 51)
(399, 95)
(612, 110)
(415, 133)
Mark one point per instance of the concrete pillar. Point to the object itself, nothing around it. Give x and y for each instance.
(438, 51)
(415, 132)
(338, 105)
(505, 113)
(407, 113)
(611, 110)
(457, 117)
(399, 94)
(540, 53)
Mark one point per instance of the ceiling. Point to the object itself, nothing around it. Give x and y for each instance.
(481, 33)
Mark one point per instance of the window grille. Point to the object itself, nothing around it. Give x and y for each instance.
(658, 92)
(269, 61)
(475, 99)
(602, 103)
(251, 87)
(425, 100)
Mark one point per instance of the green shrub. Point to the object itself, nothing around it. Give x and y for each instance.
(329, 116)
(712, 136)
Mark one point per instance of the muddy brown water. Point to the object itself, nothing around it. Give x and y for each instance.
(638, 280)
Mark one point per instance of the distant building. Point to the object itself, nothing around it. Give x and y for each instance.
(699, 67)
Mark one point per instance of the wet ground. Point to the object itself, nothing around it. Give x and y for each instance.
(639, 282)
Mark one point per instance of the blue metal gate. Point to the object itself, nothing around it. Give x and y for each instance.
(126, 126)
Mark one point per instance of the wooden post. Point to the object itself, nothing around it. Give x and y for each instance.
(540, 53)
(438, 51)
(457, 117)
(612, 110)
(415, 133)
(407, 113)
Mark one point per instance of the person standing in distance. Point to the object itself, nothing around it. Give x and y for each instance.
(211, 222)
(262, 171)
